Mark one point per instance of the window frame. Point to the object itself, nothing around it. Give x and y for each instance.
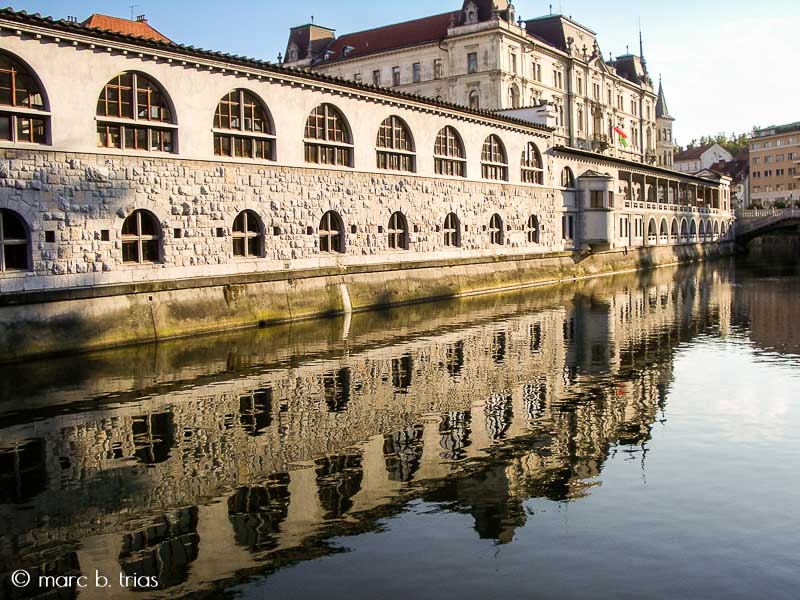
(331, 229)
(451, 230)
(496, 230)
(453, 161)
(397, 231)
(245, 235)
(160, 135)
(533, 229)
(394, 154)
(529, 172)
(240, 134)
(140, 239)
(5, 242)
(20, 115)
(325, 143)
(492, 150)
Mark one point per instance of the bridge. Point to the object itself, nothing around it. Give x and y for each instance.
(756, 222)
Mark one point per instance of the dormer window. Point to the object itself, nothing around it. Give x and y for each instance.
(294, 53)
(470, 13)
(347, 50)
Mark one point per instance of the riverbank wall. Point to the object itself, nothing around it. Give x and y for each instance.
(79, 319)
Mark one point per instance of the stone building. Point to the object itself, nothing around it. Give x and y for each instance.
(775, 165)
(665, 144)
(174, 177)
(485, 56)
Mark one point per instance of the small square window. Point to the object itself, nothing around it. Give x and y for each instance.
(220, 232)
(380, 228)
(105, 235)
(50, 237)
(178, 233)
(276, 231)
(353, 229)
(309, 231)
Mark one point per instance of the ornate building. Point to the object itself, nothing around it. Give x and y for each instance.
(665, 145)
(484, 56)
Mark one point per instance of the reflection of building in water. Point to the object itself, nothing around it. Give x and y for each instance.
(481, 415)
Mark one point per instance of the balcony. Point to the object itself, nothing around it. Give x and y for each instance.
(599, 142)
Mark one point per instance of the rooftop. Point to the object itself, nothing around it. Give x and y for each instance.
(156, 45)
(138, 28)
(776, 130)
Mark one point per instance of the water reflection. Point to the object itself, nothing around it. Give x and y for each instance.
(269, 442)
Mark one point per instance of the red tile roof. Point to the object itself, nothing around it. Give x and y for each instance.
(399, 35)
(692, 153)
(125, 27)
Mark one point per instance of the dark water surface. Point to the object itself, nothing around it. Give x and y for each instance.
(634, 436)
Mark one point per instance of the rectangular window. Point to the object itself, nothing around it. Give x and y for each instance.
(357, 77)
(395, 76)
(513, 62)
(376, 77)
(416, 72)
(437, 68)
(472, 62)
(596, 200)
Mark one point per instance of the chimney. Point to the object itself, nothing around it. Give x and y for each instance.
(71, 19)
(141, 19)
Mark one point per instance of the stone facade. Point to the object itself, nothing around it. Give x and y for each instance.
(489, 58)
(67, 191)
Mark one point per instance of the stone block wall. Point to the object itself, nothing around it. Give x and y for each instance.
(85, 198)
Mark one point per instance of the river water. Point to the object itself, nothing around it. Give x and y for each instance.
(635, 436)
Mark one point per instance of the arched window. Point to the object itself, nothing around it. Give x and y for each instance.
(513, 97)
(567, 178)
(141, 235)
(702, 231)
(398, 231)
(449, 157)
(327, 137)
(693, 231)
(133, 114)
(452, 231)
(716, 230)
(248, 235)
(496, 230)
(532, 229)
(494, 164)
(243, 127)
(474, 99)
(531, 164)
(21, 101)
(14, 247)
(331, 233)
(395, 145)
(673, 232)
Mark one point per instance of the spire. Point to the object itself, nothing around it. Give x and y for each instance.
(641, 48)
(661, 104)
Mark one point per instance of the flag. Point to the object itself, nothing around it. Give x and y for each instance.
(623, 137)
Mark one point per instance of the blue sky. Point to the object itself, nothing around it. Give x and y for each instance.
(726, 65)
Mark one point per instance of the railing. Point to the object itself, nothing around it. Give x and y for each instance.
(755, 213)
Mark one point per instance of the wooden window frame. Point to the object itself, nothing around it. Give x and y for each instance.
(494, 161)
(395, 146)
(452, 231)
(327, 139)
(245, 235)
(531, 165)
(129, 130)
(496, 230)
(231, 132)
(449, 154)
(331, 233)
(140, 239)
(22, 115)
(397, 231)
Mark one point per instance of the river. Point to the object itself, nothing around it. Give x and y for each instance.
(634, 436)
